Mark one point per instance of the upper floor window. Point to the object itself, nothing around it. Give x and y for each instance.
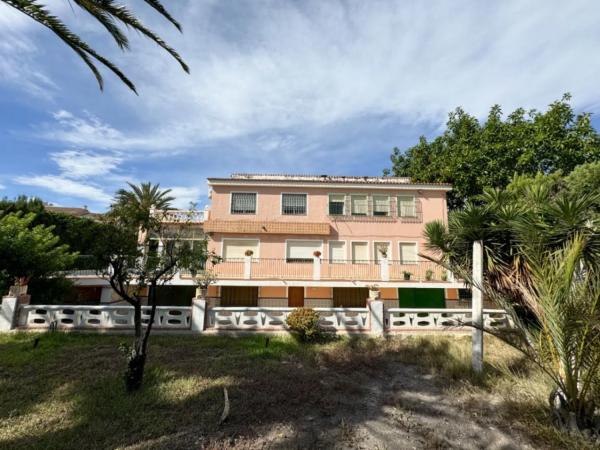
(336, 204)
(293, 204)
(381, 205)
(407, 206)
(360, 205)
(243, 203)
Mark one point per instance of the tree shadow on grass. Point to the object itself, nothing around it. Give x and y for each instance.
(282, 394)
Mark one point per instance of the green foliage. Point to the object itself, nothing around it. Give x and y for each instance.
(30, 251)
(111, 16)
(585, 179)
(474, 156)
(305, 322)
(83, 235)
(134, 207)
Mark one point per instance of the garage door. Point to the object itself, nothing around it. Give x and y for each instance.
(239, 295)
(236, 248)
(421, 298)
(350, 297)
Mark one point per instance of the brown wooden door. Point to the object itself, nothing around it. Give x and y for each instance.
(239, 296)
(350, 297)
(295, 296)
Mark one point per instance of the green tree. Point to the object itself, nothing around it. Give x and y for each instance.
(113, 17)
(473, 156)
(135, 269)
(28, 252)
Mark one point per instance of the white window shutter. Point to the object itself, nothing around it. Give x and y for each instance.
(408, 252)
(337, 251)
(360, 251)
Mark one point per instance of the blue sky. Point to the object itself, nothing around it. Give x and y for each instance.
(297, 87)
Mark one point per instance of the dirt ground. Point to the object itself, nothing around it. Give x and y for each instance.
(403, 408)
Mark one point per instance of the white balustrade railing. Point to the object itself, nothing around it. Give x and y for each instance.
(91, 317)
(397, 319)
(268, 319)
(253, 318)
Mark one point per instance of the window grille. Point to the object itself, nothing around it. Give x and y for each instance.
(336, 204)
(407, 206)
(360, 205)
(381, 205)
(243, 203)
(293, 204)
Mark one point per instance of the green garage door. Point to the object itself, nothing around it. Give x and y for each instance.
(421, 298)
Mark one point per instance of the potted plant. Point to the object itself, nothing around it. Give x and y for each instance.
(374, 292)
(444, 276)
(317, 254)
(407, 275)
(203, 280)
(249, 252)
(429, 274)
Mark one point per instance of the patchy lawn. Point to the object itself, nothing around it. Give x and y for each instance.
(415, 392)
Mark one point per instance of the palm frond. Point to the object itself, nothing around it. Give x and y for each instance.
(106, 12)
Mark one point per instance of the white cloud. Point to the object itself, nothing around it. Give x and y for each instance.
(185, 195)
(81, 164)
(66, 187)
(284, 66)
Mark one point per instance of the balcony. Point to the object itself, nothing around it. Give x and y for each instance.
(328, 270)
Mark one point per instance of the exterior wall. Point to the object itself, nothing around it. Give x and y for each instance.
(347, 228)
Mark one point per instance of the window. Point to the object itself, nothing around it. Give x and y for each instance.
(408, 252)
(381, 205)
(359, 205)
(407, 206)
(379, 249)
(360, 252)
(293, 204)
(302, 251)
(336, 204)
(337, 251)
(236, 248)
(243, 203)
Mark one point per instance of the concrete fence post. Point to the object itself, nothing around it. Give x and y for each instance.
(316, 268)
(477, 307)
(247, 267)
(198, 314)
(376, 316)
(8, 313)
(384, 267)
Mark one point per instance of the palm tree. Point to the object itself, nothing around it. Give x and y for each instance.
(542, 256)
(110, 15)
(138, 204)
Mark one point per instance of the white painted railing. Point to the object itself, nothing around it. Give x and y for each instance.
(97, 317)
(397, 319)
(269, 319)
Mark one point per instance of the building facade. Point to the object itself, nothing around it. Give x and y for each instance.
(321, 241)
(315, 241)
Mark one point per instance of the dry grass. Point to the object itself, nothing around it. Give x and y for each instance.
(68, 392)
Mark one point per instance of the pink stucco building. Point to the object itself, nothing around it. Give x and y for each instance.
(290, 240)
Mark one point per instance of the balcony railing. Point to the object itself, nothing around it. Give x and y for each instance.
(324, 269)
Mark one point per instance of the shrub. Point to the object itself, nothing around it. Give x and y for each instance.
(305, 322)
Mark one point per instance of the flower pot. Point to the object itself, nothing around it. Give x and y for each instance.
(374, 295)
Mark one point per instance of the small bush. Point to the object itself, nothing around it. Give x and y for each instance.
(304, 321)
